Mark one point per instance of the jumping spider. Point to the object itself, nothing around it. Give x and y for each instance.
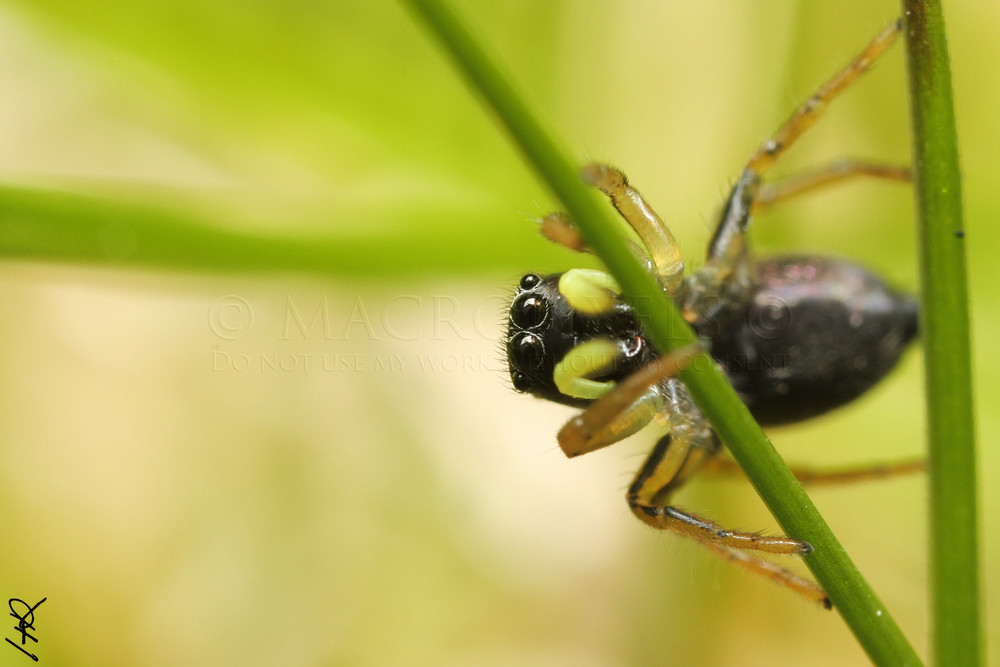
(796, 335)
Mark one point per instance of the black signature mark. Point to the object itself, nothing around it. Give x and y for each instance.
(25, 622)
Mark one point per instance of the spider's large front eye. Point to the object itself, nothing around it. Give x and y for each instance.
(528, 311)
(525, 351)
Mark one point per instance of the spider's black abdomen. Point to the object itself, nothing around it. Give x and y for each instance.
(817, 333)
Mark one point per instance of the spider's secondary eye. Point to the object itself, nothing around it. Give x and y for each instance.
(526, 351)
(529, 281)
(528, 311)
(521, 381)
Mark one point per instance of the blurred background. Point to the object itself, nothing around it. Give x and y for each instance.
(317, 459)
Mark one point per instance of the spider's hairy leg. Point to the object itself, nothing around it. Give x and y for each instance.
(656, 247)
(659, 245)
(625, 408)
(747, 562)
(829, 174)
(808, 476)
(809, 112)
(726, 275)
(672, 461)
(558, 228)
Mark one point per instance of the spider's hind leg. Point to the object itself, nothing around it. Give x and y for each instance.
(809, 476)
(626, 407)
(674, 458)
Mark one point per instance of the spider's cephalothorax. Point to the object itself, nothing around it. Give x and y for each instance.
(796, 335)
(543, 328)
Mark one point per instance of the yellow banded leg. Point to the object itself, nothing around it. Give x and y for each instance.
(807, 114)
(813, 476)
(830, 174)
(669, 464)
(660, 473)
(726, 272)
(659, 243)
(747, 562)
(558, 228)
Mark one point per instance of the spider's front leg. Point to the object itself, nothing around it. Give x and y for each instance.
(656, 246)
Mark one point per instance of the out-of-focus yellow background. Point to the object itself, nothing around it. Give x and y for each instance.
(289, 468)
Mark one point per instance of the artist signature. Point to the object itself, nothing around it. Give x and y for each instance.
(25, 622)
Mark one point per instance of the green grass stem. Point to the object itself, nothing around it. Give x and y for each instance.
(109, 230)
(954, 554)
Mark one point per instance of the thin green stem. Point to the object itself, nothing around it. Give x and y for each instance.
(857, 603)
(44, 225)
(954, 554)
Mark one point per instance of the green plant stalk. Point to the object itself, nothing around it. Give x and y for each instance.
(857, 603)
(44, 225)
(954, 555)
